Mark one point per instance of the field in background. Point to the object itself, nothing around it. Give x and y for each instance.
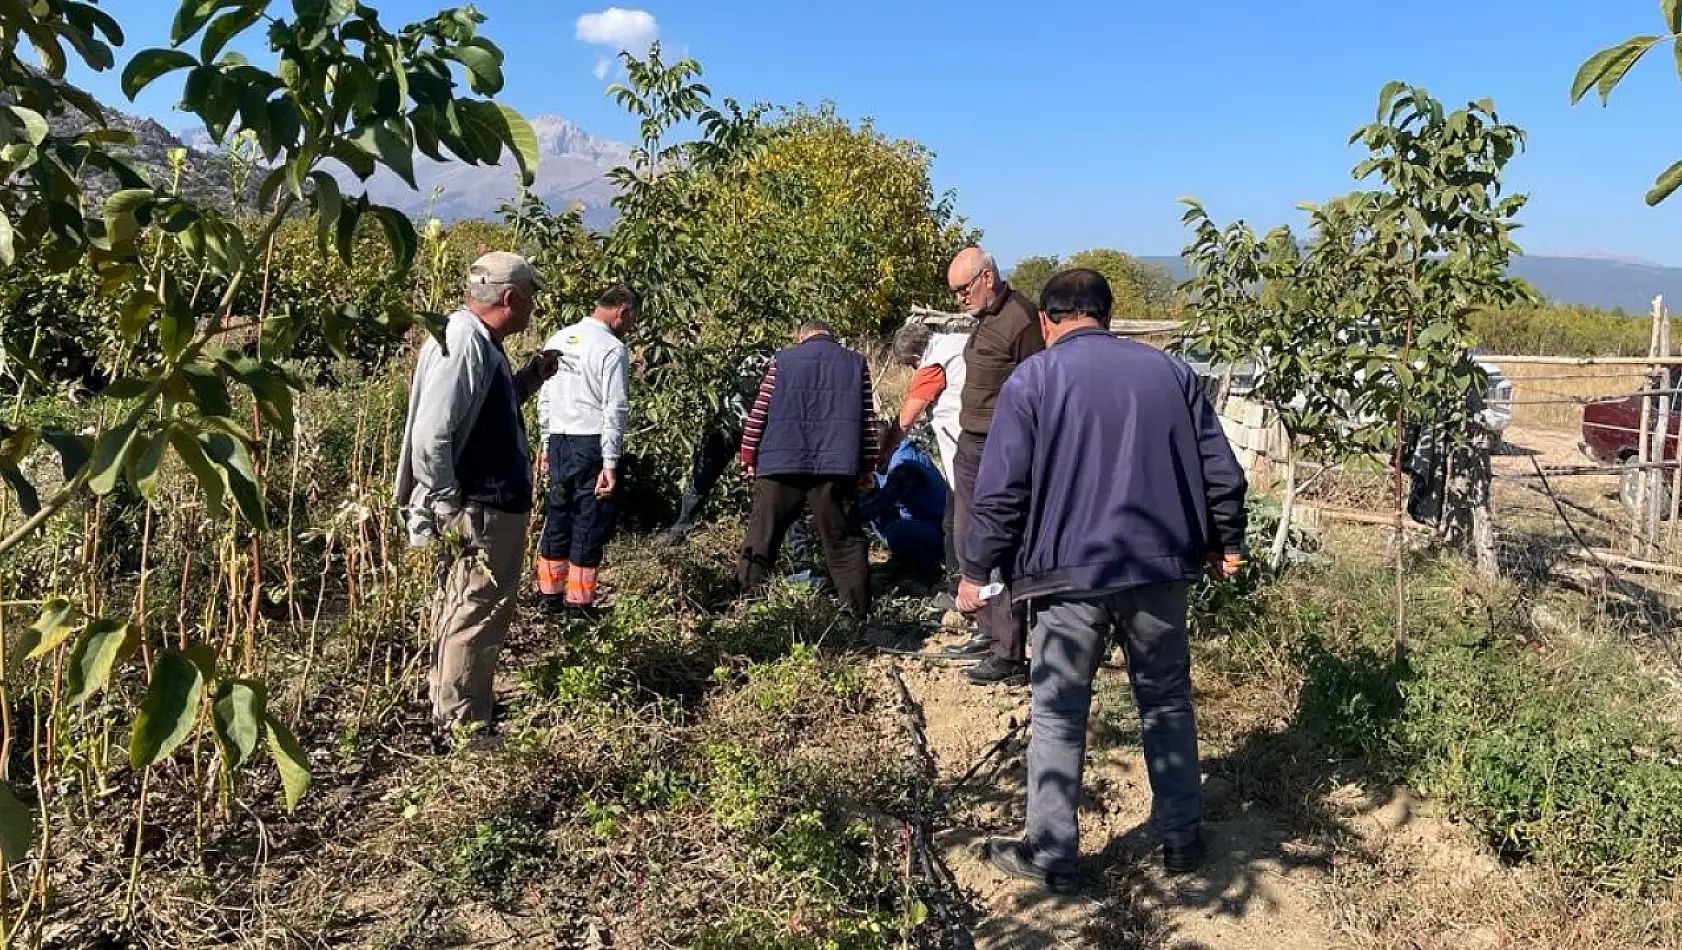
(1533, 383)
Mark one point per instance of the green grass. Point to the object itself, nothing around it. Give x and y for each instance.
(1555, 757)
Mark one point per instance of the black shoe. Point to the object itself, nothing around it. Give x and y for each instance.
(676, 534)
(1011, 857)
(974, 646)
(1185, 858)
(551, 605)
(996, 672)
(586, 612)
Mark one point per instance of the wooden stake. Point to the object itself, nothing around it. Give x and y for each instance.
(1654, 512)
(1643, 439)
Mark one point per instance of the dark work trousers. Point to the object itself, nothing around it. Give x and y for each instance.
(711, 458)
(946, 525)
(1071, 634)
(778, 501)
(576, 524)
(1003, 623)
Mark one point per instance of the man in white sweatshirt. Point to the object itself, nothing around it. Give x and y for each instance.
(583, 410)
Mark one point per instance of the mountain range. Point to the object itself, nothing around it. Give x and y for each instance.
(1593, 280)
(572, 170)
(574, 165)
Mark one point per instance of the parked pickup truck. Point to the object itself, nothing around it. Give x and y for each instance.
(1612, 433)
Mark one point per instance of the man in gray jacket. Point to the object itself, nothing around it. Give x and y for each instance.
(464, 479)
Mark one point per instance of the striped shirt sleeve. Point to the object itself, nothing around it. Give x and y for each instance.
(870, 451)
(754, 429)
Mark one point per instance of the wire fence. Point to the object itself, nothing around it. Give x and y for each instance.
(1565, 475)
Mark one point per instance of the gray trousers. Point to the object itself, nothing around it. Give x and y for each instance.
(1069, 637)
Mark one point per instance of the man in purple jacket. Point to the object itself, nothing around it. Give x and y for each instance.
(1106, 485)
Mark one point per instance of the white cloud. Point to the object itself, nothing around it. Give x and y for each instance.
(619, 29)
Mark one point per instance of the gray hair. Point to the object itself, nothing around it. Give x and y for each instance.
(988, 264)
(481, 292)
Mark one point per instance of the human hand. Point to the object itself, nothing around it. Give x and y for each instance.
(606, 482)
(969, 596)
(1223, 567)
(542, 462)
(544, 364)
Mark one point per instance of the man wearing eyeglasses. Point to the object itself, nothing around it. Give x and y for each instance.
(1006, 333)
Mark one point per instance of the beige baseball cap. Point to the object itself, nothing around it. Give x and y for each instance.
(501, 267)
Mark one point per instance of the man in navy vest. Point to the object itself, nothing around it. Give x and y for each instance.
(810, 440)
(1106, 485)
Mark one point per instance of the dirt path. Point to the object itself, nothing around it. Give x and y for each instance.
(1273, 880)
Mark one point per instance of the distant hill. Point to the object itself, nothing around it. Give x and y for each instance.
(1591, 281)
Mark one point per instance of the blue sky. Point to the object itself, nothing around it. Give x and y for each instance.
(1066, 124)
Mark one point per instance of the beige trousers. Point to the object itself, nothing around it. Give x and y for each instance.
(480, 560)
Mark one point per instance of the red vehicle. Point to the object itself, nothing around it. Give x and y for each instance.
(1612, 427)
(1612, 431)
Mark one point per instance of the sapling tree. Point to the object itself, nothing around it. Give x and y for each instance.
(1368, 328)
(1265, 299)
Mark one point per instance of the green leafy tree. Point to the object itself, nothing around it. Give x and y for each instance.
(1368, 328)
(1604, 70)
(737, 234)
(1142, 291)
(1031, 274)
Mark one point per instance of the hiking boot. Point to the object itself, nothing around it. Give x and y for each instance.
(1185, 858)
(976, 646)
(551, 605)
(1011, 857)
(995, 671)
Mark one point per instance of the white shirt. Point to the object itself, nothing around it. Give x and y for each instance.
(947, 350)
(589, 395)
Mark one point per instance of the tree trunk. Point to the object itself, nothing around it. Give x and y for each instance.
(1287, 511)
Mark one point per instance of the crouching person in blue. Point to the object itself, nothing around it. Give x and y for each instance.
(1106, 485)
(907, 510)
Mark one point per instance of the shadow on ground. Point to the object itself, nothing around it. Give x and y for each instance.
(1270, 821)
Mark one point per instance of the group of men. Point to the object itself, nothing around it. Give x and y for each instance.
(1087, 483)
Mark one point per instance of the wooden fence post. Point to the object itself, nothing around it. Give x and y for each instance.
(1643, 453)
(1652, 515)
